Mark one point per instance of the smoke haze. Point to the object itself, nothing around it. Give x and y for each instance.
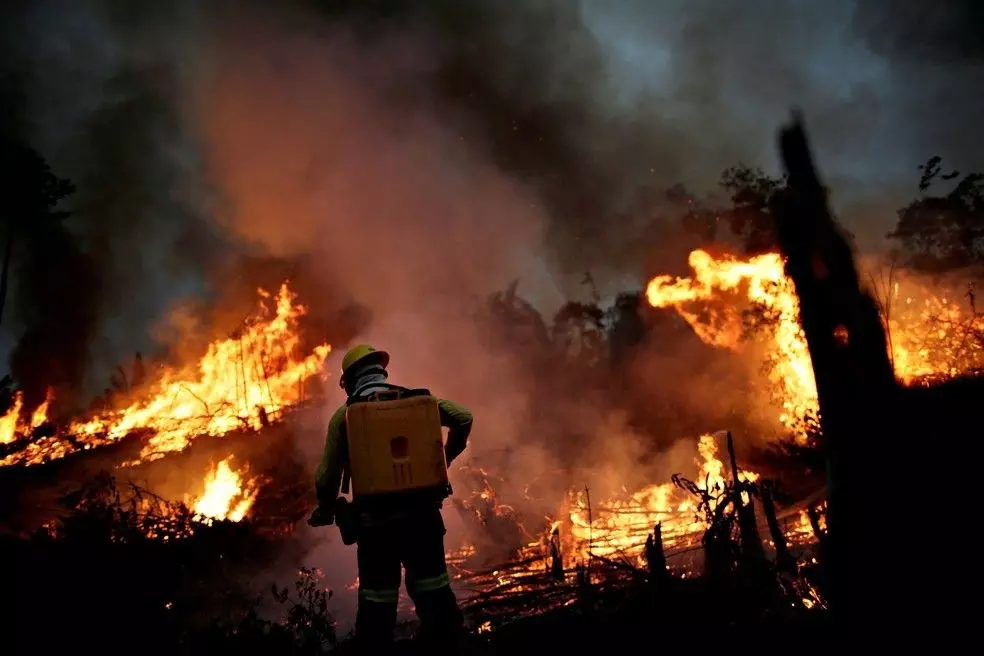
(578, 105)
(417, 156)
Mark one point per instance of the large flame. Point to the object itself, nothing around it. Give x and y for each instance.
(928, 335)
(242, 382)
(763, 282)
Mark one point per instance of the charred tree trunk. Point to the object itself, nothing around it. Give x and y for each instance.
(751, 541)
(855, 381)
(784, 560)
(586, 594)
(556, 557)
(717, 556)
(813, 512)
(656, 557)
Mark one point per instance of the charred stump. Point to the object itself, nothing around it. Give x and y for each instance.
(813, 512)
(586, 594)
(718, 555)
(784, 560)
(556, 557)
(656, 557)
(751, 542)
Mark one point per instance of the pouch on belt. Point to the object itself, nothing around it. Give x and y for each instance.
(347, 520)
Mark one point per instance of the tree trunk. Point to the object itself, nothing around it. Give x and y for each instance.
(656, 556)
(784, 560)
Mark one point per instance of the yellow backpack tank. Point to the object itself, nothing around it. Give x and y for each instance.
(395, 444)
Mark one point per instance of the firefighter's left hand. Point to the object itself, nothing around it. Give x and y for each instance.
(321, 517)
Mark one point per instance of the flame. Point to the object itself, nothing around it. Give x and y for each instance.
(763, 282)
(40, 414)
(619, 527)
(928, 335)
(9, 423)
(932, 336)
(228, 494)
(241, 382)
(12, 425)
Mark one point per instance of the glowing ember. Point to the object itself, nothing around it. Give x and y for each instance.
(617, 530)
(228, 493)
(933, 335)
(242, 382)
(620, 527)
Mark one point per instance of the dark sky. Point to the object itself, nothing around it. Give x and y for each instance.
(578, 104)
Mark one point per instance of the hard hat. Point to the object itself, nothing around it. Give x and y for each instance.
(361, 355)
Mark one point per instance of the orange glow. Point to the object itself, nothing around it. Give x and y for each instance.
(40, 414)
(240, 383)
(619, 527)
(929, 335)
(9, 422)
(229, 493)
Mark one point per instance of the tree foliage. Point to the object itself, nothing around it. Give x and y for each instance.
(943, 230)
(30, 192)
(751, 192)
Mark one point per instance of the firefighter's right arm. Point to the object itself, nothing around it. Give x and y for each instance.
(458, 420)
(328, 476)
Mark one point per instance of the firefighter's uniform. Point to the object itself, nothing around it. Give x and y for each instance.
(399, 482)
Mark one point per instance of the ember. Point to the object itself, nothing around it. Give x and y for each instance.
(619, 528)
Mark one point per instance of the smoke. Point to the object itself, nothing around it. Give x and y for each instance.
(106, 85)
(415, 156)
(580, 104)
(936, 61)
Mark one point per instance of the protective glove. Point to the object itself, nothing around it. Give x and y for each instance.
(321, 517)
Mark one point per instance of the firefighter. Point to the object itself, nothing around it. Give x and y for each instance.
(396, 522)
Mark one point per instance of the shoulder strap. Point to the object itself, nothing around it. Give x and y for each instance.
(344, 448)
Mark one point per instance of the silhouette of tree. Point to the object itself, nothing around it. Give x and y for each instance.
(946, 231)
(752, 192)
(30, 192)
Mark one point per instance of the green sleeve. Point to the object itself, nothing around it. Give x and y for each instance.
(458, 420)
(328, 476)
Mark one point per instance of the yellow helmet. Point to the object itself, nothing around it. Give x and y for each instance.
(361, 355)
